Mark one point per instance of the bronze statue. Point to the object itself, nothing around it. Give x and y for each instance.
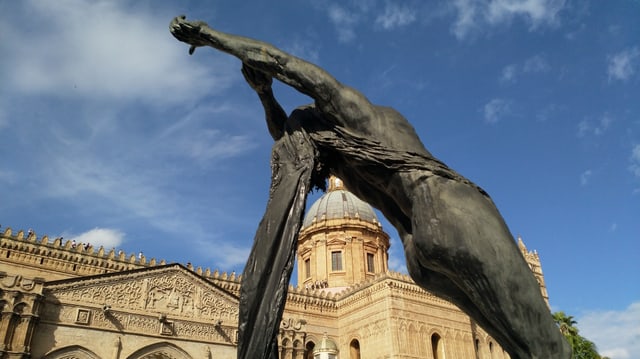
(457, 244)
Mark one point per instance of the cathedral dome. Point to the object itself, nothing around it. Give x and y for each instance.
(339, 203)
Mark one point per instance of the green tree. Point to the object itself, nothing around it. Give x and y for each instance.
(582, 347)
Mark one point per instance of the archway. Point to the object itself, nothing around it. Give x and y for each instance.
(354, 349)
(308, 352)
(437, 346)
(72, 352)
(162, 350)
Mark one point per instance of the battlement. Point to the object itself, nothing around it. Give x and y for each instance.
(56, 259)
(61, 259)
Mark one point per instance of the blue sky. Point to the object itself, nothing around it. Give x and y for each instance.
(112, 134)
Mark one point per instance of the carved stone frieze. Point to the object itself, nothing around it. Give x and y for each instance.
(174, 292)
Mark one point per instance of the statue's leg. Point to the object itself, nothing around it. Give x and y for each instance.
(266, 275)
(459, 233)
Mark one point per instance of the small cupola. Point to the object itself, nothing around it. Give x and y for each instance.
(326, 350)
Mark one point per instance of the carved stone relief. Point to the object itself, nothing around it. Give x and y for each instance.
(173, 294)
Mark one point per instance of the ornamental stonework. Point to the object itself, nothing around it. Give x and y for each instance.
(171, 293)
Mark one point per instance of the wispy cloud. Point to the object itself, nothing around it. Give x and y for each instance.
(473, 15)
(467, 17)
(534, 64)
(395, 15)
(304, 49)
(622, 66)
(616, 333)
(347, 16)
(496, 109)
(102, 50)
(509, 73)
(585, 176)
(595, 127)
(344, 21)
(537, 12)
(226, 254)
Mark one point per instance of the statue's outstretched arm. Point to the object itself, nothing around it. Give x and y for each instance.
(342, 103)
(274, 113)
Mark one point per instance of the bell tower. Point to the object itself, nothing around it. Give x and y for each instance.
(341, 242)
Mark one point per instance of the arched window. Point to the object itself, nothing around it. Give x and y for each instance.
(493, 353)
(354, 349)
(308, 354)
(437, 346)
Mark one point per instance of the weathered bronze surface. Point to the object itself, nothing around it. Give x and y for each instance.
(457, 244)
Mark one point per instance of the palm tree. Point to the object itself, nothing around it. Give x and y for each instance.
(582, 347)
(566, 324)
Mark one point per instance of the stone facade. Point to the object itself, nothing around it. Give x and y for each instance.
(62, 300)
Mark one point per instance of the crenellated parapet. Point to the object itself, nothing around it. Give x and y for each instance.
(60, 259)
(227, 281)
(56, 258)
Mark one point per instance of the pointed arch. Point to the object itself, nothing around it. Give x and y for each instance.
(72, 352)
(162, 350)
(308, 349)
(354, 349)
(437, 346)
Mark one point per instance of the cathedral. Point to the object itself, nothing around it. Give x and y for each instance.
(65, 300)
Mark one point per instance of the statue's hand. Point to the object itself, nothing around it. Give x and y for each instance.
(188, 31)
(258, 80)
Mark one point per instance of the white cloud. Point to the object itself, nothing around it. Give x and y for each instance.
(105, 237)
(583, 128)
(615, 333)
(396, 16)
(496, 109)
(623, 64)
(534, 64)
(102, 50)
(536, 11)
(344, 22)
(509, 73)
(595, 127)
(212, 144)
(466, 18)
(585, 176)
(474, 14)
